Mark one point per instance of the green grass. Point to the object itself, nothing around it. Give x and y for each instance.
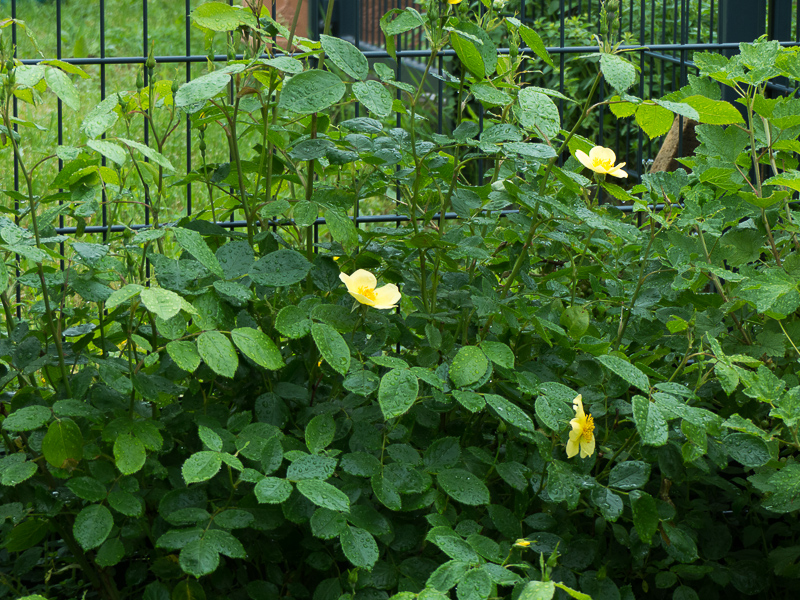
(80, 38)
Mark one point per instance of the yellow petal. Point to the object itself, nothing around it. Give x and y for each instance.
(453, 1)
(618, 172)
(572, 448)
(602, 154)
(587, 448)
(387, 296)
(361, 298)
(577, 404)
(584, 158)
(360, 280)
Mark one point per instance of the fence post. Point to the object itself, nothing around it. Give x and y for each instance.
(779, 22)
(740, 21)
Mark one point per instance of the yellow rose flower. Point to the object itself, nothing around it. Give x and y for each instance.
(361, 286)
(582, 435)
(522, 543)
(601, 160)
(453, 1)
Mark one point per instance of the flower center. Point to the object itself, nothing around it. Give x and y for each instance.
(367, 292)
(588, 428)
(602, 163)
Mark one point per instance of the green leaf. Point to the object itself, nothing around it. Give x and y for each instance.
(490, 95)
(311, 91)
(225, 543)
(617, 71)
(327, 524)
(16, 474)
(345, 56)
(319, 432)
(680, 544)
(464, 487)
(87, 488)
(201, 466)
(293, 322)
(201, 89)
(476, 585)
(185, 355)
(359, 547)
(92, 526)
(311, 466)
(535, 43)
(193, 242)
(62, 445)
(218, 16)
(626, 370)
(332, 347)
(398, 391)
(258, 347)
(26, 535)
(112, 152)
(199, 558)
(645, 515)
(475, 48)
(360, 464)
(511, 413)
(110, 553)
(499, 353)
(129, 453)
(629, 475)
(62, 86)
(272, 490)
(218, 353)
(324, 494)
(186, 589)
(650, 423)
(234, 518)
(469, 366)
(123, 294)
(374, 96)
(126, 503)
(538, 113)
(164, 303)
(786, 485)
(210, 438)
(149, 152)
(342, 228)
(280, 268)
(654, 120)
(747, 449)
(28, 418)
(714, 112)
(472, 401)
(538, 590)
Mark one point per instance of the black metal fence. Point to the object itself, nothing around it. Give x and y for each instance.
(111, 39)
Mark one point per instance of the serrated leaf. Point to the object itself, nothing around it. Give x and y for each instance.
(324, 494)
(359, 547)
(463, 486)
(257, 347)
(193, 242)
(92, 526)
(129, 453)
(62, 445)
(331, 346)
(201, 466)
(626, 370)
(311, 91)
(218, 353)
(345, 56)
(397, 392)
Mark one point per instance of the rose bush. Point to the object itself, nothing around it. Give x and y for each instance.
(547, 397)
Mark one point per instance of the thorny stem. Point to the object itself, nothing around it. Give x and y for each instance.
(54, 331)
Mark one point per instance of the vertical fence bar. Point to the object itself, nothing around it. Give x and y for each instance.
(60, 110)
(103, 196)
(15, 112)
(188, 41)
